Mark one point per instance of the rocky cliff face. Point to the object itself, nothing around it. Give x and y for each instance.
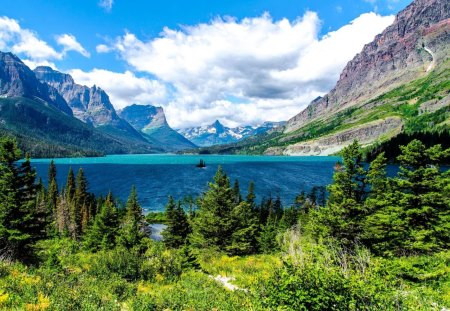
(151, 121)
(90, 105)
(17, 80)
(411, 47)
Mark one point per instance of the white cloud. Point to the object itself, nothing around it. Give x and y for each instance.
(250, 70)
(29, 47)
(103, 48)
(70, 43)
(24, 41)
(106, 5)
(123, 88)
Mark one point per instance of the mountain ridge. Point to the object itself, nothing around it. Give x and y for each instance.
(218, 134)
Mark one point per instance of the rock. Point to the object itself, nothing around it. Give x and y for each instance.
(17, 80)
(151, 121)
(418, 38)
(331, 144)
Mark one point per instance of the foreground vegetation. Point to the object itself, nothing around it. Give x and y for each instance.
(367, 242)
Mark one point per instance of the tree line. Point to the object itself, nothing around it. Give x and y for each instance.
(29, 211)
(392, 216)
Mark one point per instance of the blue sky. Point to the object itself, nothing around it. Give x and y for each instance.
(103, 42)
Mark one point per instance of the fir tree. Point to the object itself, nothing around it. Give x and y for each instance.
(81, 203)
(52, 188)
(345, 212)
(237, 192)
(250, 199)
(212, 226)
(20, 223)
(102, 234)
(177, 230)
(243, 238)
(132, 230)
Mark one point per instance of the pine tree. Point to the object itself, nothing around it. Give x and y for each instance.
(212, 226)
(345, 212)
(132, 230)
(81, 203)
(52, 189)
(384, 225)
(243, 238)
(103, 232)
(237, 192)
(250, 199)
(420, 188)
(178, 228)
(70, 185)
(20, 223)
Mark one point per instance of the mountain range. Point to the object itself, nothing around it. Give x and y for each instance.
(218, 134)
(51, 115)
(398, 84)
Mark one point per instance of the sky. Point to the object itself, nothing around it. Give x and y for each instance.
(242, 62)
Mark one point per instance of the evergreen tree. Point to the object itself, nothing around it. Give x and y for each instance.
(237, 192)
(345, 212)
(243, 238)
(52, 188)
(70, 185)
(384, 226)
(81, 203)
(250, 199)
(267, 239)
(410, 213)
(20, 224)
(132, 230)
(212, 226)
(102, 234)
(178, 228)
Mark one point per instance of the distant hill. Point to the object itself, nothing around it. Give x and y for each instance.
(218, 134)
(151, 121)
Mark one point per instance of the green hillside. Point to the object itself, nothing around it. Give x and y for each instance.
(44, 131)
(408, 102)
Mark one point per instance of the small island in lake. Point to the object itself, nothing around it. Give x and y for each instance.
(201, 164)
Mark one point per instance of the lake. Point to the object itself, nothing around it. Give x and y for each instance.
(158, 176)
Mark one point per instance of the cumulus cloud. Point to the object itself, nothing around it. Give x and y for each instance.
(70, 43)
(249, 70)
(106, 5)
(24, 41)
(30, 48)
(123, 88)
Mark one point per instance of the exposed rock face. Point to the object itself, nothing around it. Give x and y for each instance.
(416, 42)
(17, 80)
(151, 121)
(218, 134)
(330, 144)
(90, 105)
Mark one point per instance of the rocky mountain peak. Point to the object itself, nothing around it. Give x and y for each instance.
(414, 44)
(17, 80)
(90, 105)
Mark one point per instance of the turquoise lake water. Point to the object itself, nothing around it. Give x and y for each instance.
(158, 176)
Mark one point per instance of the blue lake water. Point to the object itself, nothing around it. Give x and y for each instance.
(158, 176)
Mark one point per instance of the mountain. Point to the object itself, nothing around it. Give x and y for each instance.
(43, 123)
(218, 134)
(90, 105)
(17, 80)
(151, 121)
(398, 83)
